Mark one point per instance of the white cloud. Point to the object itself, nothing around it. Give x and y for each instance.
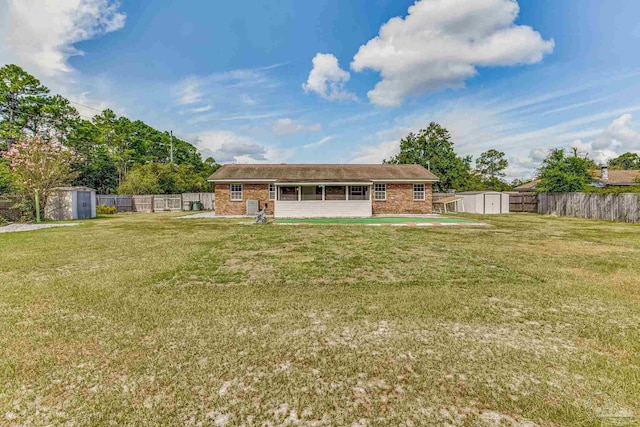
(228, 91)
(327, 79)
(236, 117)
(440, 44)
(376, 153)
(319, 143)
(189, 91)
(40, 35)
(229, 147)
(290, 127)
(617, 138)
(246, 99)
(605, 144)
(203, 109)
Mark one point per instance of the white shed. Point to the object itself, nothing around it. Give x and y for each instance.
(66, 203)
(484, 202)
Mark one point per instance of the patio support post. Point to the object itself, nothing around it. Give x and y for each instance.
(346, 188)
(299, 193)
(323, 193)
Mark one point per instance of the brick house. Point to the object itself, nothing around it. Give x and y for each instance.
(307, 191)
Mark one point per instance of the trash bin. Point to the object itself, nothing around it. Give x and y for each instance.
(186, 205)
(196, 205)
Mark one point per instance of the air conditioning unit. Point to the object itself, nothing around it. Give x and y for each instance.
(253, 206)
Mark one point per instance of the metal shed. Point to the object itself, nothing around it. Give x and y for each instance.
(66, 203)
(484, 202)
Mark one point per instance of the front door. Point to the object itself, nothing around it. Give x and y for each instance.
(84, 204)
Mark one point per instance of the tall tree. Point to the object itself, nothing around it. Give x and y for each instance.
(492, 163)
(95, 168)
(432, 148)
(626, 161)
(51, 117)
(115, 133)
(19, 91)
(564, 174)
(109, 146)
(491, 166)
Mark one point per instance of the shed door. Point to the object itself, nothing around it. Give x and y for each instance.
(84, 204)
(492, 203)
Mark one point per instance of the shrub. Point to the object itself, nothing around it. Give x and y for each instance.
(106, 210)
(16, 209)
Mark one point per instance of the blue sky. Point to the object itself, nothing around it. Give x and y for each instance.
(342, 81)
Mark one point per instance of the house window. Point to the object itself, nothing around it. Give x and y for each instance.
(288, 194)
(236, 192)
(272, 191)
(380, 191)
(418, 191)
(358, 192)
(335, 192)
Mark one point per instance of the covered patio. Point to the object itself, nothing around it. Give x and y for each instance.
(323, 200)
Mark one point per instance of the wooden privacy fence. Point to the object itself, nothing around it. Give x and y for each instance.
(167, 202)
(623, 207)
(121, 203)
(155, 202)
(142, 203)
(523, 202)
(207, 200)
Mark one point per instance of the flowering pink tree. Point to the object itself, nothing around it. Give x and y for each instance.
(39, 165)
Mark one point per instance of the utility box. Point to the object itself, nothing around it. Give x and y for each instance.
(253, 206)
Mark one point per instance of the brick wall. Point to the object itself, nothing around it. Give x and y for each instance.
(400, 201)
(226, 206)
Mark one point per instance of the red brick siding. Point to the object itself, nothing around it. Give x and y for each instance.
(400, 201)
(226, 206)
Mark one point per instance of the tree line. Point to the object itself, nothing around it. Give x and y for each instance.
(113, 154)
(559, 172)
(433, 148)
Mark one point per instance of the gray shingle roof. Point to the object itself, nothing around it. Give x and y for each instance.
(322, 173)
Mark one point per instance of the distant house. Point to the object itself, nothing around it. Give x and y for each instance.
(297, 191)
(604, 177)
(530, 186)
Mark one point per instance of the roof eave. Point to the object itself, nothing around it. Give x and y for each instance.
(252, 180)
(408, 180)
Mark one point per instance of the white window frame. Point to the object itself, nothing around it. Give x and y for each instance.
(356, 190)
(272, 191)
(233, 194)
(377, 192)
(418, 192)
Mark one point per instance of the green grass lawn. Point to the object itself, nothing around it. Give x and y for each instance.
(378, 220)
(149, 320)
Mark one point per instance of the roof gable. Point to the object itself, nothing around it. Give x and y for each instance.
(322, 173)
